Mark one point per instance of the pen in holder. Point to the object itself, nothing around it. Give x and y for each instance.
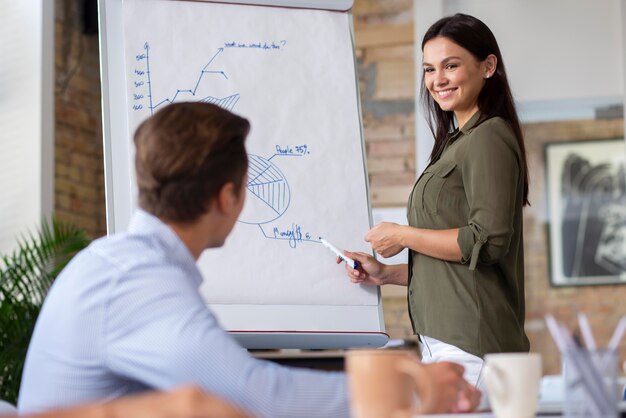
(590, 383)
(590, 375)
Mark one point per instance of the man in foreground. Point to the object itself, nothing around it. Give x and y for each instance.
(126, 316)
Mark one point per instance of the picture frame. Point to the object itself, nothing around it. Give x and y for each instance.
(586, 202)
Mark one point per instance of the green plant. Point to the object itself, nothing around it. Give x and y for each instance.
(25, 277)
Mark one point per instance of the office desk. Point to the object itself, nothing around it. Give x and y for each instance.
(320, 359)
(474, 415)
(311, 359)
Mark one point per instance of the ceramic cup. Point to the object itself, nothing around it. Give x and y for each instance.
(385, 383)
(512, 381)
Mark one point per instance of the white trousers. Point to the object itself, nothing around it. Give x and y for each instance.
(434, 350)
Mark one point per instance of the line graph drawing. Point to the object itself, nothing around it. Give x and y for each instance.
(268, 194)
(227, 102)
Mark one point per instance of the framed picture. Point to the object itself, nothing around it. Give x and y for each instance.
(586, 200)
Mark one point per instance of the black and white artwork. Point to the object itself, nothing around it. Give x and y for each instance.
(586, 186)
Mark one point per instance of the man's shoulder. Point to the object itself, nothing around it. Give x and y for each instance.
(125, 251)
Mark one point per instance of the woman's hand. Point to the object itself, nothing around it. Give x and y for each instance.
(385, 238)
(369, 271)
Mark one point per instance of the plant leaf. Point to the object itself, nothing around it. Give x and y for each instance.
(25, 278)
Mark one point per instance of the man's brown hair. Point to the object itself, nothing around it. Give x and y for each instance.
(184, 154)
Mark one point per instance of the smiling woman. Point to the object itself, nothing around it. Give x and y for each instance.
(481, 185)
(454, 77)
(465, 274)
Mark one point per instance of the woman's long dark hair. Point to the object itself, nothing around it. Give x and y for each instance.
(495, 99)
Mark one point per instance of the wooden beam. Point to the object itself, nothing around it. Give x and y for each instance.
(384, 35)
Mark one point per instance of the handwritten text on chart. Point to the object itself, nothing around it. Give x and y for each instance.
(256, 45)
(294, 235)
(292, 150)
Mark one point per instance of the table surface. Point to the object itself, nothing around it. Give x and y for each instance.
(552, 409)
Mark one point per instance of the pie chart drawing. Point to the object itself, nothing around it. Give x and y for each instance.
(268, 194)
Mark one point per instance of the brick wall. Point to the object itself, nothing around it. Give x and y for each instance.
(386, 66)
(79, 179)
(604, 305)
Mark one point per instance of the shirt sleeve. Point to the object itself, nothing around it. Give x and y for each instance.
(491, 173)
(163, 335)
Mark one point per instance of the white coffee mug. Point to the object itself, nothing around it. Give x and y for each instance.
(512, 381)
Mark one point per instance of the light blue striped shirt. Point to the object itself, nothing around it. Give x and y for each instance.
(126, 316)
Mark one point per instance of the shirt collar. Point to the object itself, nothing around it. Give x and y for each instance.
(469, 125)
(144, 223)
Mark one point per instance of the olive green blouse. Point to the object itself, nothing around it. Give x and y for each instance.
(477, 186)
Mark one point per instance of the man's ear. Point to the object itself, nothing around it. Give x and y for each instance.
(226, 200)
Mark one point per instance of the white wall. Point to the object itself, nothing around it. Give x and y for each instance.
(26, 111)
(555, 49)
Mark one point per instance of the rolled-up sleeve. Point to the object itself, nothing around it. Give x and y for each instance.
(491, 177)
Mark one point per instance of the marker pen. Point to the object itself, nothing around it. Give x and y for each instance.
(339, 254)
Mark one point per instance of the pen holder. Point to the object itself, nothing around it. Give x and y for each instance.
(590, 383)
